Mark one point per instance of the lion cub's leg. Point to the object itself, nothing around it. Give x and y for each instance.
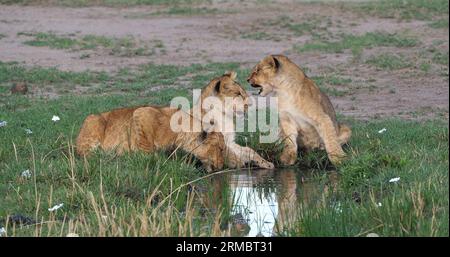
(308, 138)
(344, 133)
(142, 132)
(327, 132)
(243, 154)
(91, 134)
(233, 161)
(289, 134)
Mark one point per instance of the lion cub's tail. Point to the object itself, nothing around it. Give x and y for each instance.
(344, 133)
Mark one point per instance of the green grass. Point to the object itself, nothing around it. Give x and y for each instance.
(425, 67)
(417, 205)
(311, 25)
(441, 58)
(189, 11)
(148, 194)
(404, 9)
(259, 36)
(357, 43)
(388, 62)
(52, 41)
(137, 81)
(439, 24)
(125, 46)
(333, 85)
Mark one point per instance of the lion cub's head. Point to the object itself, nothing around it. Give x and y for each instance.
(229, 92)
(212, 150)
(271, 69)
(263, 74)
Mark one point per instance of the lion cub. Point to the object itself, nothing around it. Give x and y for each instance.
(225, 88)
(306, 114)
(148, 129)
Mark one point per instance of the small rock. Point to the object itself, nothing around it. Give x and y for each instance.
(21, 219)
(3, 123)
(72, 235)
(372, 235)
(19, 88)
(356, 197)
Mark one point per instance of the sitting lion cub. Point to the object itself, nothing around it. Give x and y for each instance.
(148, 129)
(306, 113)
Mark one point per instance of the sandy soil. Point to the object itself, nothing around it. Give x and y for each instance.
(217, 37)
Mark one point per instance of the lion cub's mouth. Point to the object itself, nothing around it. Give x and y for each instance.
(258, 87)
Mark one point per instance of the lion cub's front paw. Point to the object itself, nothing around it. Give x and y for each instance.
(288, 157)
(266, 165)
(337, 158)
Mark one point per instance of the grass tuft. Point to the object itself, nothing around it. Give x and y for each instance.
(357, 43)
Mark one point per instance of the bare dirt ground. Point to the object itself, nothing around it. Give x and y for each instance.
(408, 93)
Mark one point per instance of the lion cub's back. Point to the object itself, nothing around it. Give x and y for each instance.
(117, 130)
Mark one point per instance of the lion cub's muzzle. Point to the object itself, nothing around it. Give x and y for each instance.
(214, 165)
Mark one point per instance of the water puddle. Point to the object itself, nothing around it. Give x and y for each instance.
(263, 202)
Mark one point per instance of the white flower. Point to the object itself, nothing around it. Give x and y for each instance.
(28, 131)
(2, 231)
(393, 180)
(26, 174)
(382, 131)
(379, 204)
(56, 207)
(55, 118)
(3, 123)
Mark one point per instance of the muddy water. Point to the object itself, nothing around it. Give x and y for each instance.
(263, 202)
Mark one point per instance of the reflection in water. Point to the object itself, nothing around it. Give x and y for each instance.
(264, 202)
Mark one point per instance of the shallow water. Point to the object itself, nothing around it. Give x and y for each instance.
(265, 201)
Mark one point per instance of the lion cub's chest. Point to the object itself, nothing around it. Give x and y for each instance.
(293, 111)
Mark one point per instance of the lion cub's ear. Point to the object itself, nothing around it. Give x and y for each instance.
(274, 62)
(202, 136)
(231, 74)
(217, 87)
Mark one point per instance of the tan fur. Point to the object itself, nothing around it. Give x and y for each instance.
(307, 117)
(147, 129)
(236, 155)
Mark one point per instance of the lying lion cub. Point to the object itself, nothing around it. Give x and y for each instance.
(148, 129)
(306, 113)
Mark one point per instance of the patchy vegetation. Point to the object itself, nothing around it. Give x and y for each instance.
(127, 46)
(388, 62)
(358, 43)
(401, 9)
(82, 3)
